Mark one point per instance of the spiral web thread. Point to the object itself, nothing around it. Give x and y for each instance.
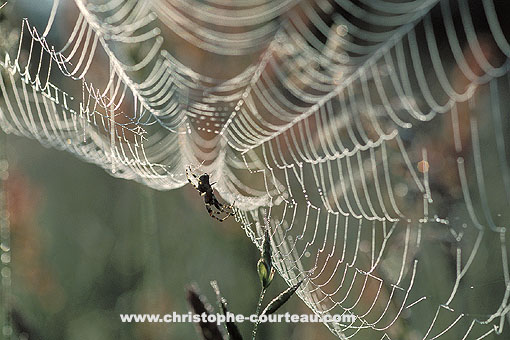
(370, 137)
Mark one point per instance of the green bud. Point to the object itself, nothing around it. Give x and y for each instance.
(265, 264)
(266, 274)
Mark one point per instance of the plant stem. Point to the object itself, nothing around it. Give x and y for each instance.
(261, 297)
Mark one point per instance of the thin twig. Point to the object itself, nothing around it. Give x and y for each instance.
(259, 305)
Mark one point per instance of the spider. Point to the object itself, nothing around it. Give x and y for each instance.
(205, 189)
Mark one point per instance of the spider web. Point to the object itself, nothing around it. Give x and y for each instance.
(370, 137)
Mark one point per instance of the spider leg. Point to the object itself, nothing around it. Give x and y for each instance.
(209, 210)
(189, 179)
(230, 206)
(217, 204)
(224, 218)
(220, 206)
(212, 213)
(224, 207)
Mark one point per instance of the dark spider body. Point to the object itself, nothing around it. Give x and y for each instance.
(205, 189)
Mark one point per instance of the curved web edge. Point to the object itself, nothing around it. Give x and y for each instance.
(357, 128)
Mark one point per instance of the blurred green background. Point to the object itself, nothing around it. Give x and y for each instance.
(87, 246)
